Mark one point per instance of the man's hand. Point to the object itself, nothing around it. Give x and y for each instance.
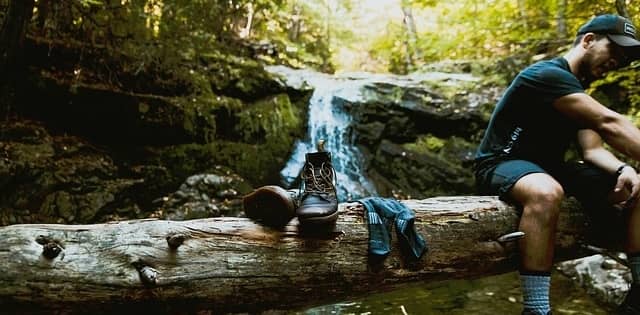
(629, 180)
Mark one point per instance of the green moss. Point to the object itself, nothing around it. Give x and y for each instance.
(269, 120)
(426, 143)
(237, 76)
(258, 164)
(268, 129)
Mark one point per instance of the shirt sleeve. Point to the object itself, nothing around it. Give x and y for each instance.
(551, 83)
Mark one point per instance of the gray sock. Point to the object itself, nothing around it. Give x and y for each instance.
(535, 292)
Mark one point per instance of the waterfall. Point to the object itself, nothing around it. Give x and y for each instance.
(328, 122)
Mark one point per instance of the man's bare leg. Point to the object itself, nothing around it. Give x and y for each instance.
(540, 196)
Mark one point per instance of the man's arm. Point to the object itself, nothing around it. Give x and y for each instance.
(593, 151)
(616, 130)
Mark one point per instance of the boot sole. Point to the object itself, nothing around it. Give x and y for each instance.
(270, 205)
(328, 219)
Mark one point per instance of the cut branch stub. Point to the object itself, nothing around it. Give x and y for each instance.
(175, 240)
(50, 247)
(148, 275)
(51, 250)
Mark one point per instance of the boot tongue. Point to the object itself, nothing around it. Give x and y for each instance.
(318, 158)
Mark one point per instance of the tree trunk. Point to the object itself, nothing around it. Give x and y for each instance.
(245, 31)
(232, 264)
(411, 36)
(621, 7)
(326, 56)
(561, 19)
(12, 33)
(295, 21)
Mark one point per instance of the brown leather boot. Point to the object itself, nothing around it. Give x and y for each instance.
(319, 200)
(271, 205)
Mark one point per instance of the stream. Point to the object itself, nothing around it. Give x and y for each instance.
(494, 295)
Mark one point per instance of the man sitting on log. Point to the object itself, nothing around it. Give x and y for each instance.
(522, 155)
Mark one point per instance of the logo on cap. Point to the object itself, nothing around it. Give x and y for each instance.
(630, 29)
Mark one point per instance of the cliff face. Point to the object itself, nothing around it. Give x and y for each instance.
(420, 137)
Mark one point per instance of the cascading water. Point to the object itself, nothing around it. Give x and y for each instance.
(330, 123)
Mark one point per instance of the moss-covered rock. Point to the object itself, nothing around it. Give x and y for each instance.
(256, 148)
(206, 195)
(58, 178)
(238, 77)
(418, 171)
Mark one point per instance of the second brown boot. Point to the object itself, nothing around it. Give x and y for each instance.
(270, 205)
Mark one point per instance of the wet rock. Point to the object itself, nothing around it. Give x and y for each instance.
(602, 277)
(205, 195)
(406, 173)
(227, 194)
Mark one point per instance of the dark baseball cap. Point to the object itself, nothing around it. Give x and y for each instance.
(617, 28)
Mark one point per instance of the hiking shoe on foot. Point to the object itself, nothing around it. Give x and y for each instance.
(271, 205)
(531, 312)
(319, 200)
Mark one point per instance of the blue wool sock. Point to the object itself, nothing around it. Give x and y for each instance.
(634, 265)
(535, 292)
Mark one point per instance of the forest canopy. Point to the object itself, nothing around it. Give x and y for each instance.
(371, 35)
(397, 36)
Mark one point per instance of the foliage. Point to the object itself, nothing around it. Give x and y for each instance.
(174, 40)
(164, 34)
(492, 29)
(619, 85)
(320, 34)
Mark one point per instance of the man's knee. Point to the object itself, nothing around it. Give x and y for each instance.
(538, 188)
(540, 196)
(551, 195)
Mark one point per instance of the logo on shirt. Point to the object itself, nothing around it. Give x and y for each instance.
(630, 29)
(513, 138)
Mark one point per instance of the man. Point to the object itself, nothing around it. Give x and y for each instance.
(521, 157)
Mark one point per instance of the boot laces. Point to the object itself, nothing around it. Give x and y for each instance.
(319, 180)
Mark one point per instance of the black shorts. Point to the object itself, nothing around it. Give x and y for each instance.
(586, 182)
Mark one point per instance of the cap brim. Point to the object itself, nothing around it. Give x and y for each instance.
(624, 41)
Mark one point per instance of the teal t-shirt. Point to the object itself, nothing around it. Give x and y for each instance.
(524, 124)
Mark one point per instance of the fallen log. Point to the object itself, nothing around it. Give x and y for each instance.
(235, 265)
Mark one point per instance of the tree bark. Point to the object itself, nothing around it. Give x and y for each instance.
(234, 265)
(621, 7)
(12, 33)
(411, 36)
(561, 19)
(295, 21)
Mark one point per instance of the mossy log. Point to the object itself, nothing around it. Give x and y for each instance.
(235, 265)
